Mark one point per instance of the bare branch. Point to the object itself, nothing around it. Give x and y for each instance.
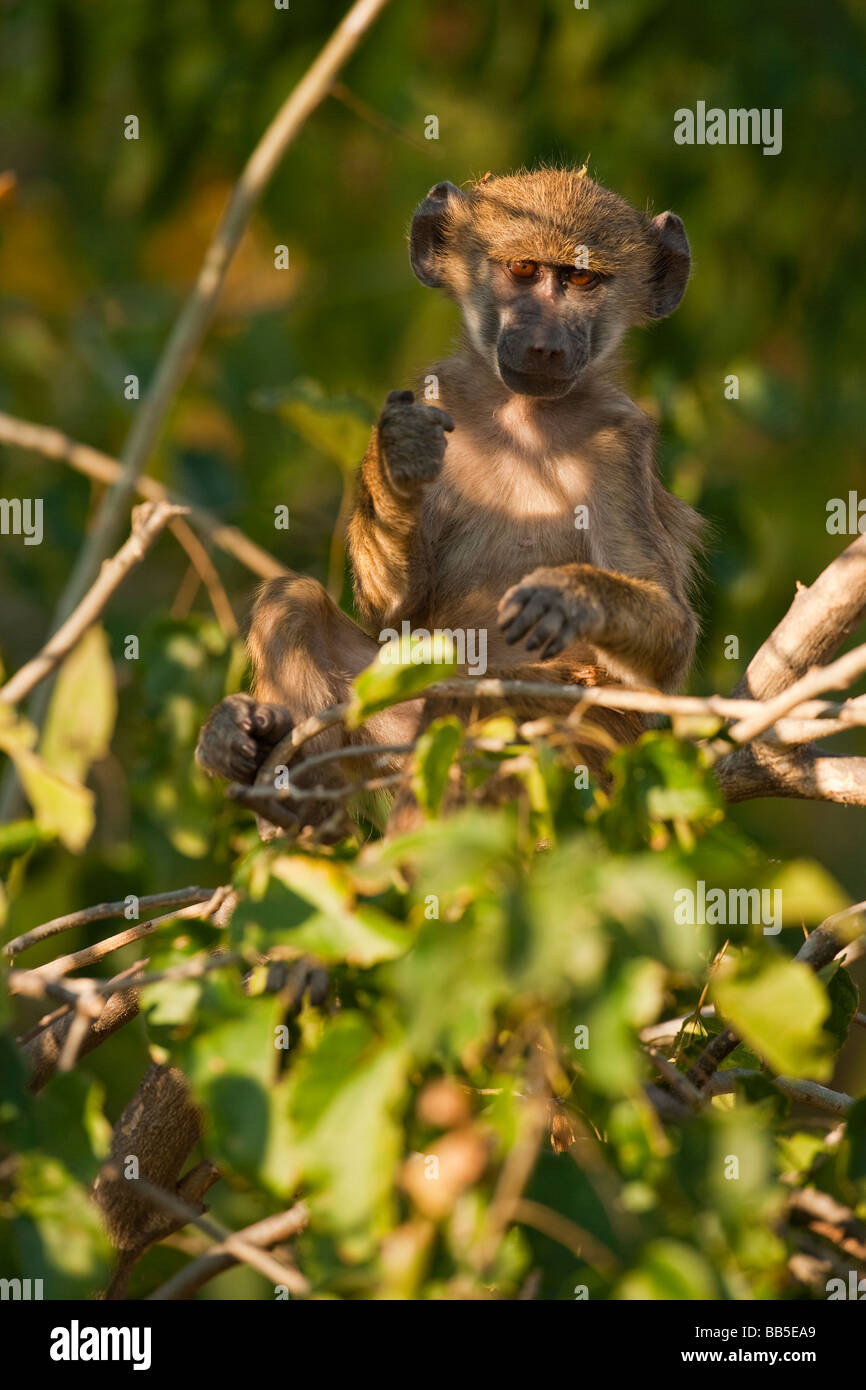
(90, 955)
(207, 574)
(180, 1214)
(100, 912)
(148, 521)
(837, 676)
(680, 1084)
(42, 1053)
(804, 772)
(849, 713)
(804, 1092)
(819, 620)
(563, 1230)
(269, 1232)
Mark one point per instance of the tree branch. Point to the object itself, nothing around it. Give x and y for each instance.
(269, 1232)
(51, 443)
(819, 620)
(804, 1092)
(42, 1053)
(90, 955)
(806, 772)
(207, 574)
(100, 912)
(189, 329)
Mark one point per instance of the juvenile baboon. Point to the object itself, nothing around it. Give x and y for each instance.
(525, 501)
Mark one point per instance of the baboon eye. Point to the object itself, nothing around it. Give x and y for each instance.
(523, 270)
(582, 278)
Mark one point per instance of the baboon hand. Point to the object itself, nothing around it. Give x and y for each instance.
(551, 610)
(239, 735)
(412, 441)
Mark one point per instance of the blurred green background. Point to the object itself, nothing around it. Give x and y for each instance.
(101, 237)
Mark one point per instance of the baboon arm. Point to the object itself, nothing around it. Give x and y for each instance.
(385, 545)
(646, 632)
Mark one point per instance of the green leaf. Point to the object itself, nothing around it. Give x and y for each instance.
(844, 1000)
(311, 905)
(669, 1269)
(56, 1231)
(342, 1104)
(399, 671)
(809, 892)
(61, 808)
(83, 709)
(232, 1063)
(434, 754)
(452, 980)
(20, 835)
(759, 1090)
(658, 780)
(612, 1060)
(338, 426)
(779, 1007)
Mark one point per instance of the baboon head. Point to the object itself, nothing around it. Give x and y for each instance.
(549, 270)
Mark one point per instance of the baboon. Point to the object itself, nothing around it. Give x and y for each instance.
(521, 496)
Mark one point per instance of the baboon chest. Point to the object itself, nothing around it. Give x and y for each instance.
(491, 522)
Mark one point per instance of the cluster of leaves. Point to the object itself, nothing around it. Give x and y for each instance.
(468, 1110)
(529, 946)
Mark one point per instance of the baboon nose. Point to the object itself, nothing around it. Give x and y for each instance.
(544, 356)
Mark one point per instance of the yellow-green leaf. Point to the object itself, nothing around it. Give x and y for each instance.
(83, 709)
(400, 671)
(779, 1007)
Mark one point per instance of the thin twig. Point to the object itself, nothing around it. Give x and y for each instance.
(271, 1231)
(680, 1084)
(804, 1092)
(93, 463)
(90, 955)
(340, 92)
(644, 700)
(101, 912)
(236, 1245)
(208, 574)
(565, 1232)
(837, 676)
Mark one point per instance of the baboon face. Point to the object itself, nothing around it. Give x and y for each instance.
(550, 270)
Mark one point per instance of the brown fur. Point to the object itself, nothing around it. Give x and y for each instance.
(465, 514)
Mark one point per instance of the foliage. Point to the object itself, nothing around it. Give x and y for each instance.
(487, 996)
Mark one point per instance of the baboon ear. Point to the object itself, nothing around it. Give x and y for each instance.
(672, 263)
(427, 235)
